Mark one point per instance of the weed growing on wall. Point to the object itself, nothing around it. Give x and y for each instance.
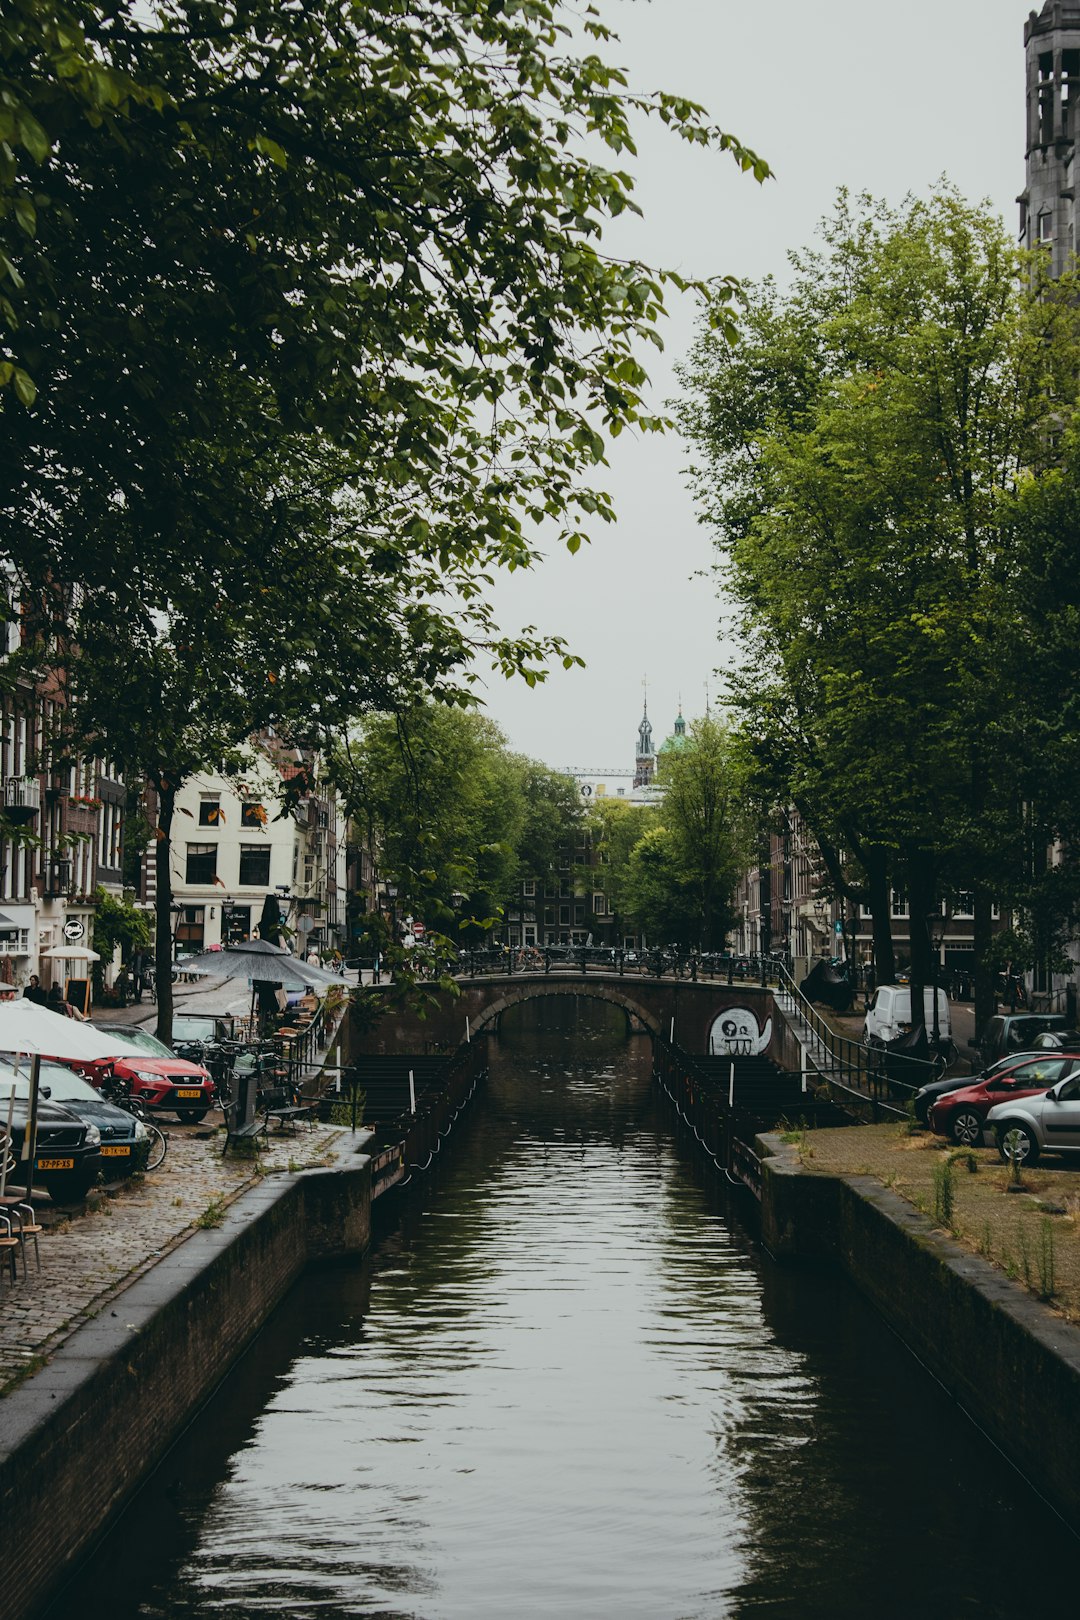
(1047, 1287)
(944, 1194)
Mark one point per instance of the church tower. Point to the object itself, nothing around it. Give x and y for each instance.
(1048, 202)
(645, 763)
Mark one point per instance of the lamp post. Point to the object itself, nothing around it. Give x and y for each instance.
(935, 933)
(821, 906)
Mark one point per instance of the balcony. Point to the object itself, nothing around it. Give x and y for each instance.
(57, 878)
(22, 800)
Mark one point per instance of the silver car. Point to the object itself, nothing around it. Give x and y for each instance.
(1046, 1123)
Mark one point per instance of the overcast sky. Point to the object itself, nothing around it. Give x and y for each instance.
(876, 96)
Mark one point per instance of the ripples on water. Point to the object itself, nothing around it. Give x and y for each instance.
(563, 1384)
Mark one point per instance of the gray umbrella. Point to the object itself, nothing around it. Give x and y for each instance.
(257, 959)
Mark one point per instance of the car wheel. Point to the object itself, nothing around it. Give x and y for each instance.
(966, 1129)
(1017, 1145)
(69, 1189)
(191, 1116)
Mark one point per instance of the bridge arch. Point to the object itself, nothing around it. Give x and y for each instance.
(533, 990)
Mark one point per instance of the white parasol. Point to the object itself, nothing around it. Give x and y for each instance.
(27, 1027)
(70, 953)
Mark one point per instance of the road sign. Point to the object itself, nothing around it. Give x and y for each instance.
(74, 930)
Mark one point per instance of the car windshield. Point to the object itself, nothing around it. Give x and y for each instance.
(144, 1041)
(64, 1086)
(193, 1028)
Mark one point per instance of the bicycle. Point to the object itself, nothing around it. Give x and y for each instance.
(158, 1145)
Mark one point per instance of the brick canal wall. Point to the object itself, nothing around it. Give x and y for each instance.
(1007, 1359)
(79, 1437)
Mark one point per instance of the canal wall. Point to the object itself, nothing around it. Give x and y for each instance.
(80, 1436)
(1010, 1363)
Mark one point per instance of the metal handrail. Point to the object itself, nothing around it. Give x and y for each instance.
(865, 1072)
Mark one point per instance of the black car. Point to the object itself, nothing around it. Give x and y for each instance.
(120, 1132)
(1010, 1033)
(68, 1156)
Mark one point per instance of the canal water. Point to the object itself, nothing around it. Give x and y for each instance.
(565, 1382)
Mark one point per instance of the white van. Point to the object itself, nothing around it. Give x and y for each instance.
(889, 1014)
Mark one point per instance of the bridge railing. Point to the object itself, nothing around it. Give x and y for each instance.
(714, 967)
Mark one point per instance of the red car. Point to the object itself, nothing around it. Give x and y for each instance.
(961, 1115)
(158, 1077)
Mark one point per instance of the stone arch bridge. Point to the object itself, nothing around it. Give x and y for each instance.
(672, 1008)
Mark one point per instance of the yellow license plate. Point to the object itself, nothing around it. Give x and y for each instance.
(116, 1152)
(189, 1094)
(56, 1164)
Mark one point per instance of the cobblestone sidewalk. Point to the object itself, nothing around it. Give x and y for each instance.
(87, 1260)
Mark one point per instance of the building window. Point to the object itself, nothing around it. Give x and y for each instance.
(235, 924)
(254, 866)
(201, 863)
(210, 812)
(528, 888)
(579, 914)
(190, 930)
(564, 916)
(599, 905)
(899, 904)
(549, 916)
(965, 904)
(252, 815)
(1045, 231)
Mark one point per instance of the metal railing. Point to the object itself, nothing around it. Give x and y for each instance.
(539, 961)
(877, 1079)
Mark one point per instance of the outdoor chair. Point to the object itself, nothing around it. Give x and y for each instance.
(28, 1226)
(10, 1247)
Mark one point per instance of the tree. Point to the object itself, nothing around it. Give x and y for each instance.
(116, 922)
(357, 313)
(860, 450)
(440, 800)
(376, 226)
(673, 866)
(704, 817)
(614, 829)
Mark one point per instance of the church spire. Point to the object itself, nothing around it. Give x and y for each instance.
(645, 762)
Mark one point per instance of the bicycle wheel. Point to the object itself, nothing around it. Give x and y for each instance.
(159, 1146)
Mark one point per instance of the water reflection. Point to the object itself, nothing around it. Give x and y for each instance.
(564, 1383)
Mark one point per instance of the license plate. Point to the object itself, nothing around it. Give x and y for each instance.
(116, 1152)
(56, 1164)
(195, 1094)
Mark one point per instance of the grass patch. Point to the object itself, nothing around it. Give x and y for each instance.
(212, 1215)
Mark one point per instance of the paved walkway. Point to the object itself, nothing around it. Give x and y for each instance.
(88, 1260)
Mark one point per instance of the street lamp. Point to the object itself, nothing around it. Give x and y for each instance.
(821, 906)
(935, 933)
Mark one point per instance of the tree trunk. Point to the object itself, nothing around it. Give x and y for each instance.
(163, 941)
(876, 863)
(983, 934)
(921, 900)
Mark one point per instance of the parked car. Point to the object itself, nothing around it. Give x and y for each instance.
(1024, 1128)
(1057, 1040)
(961, 1115)
(929, 1094)
(1015, 1032)
(160, 1079)
(118, 1131)
(888, 1016)
(68, 1156)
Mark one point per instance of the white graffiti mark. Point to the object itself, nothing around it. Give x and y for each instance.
(735, 1033)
